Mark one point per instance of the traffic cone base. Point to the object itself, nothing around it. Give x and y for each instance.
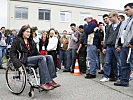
(76, 69)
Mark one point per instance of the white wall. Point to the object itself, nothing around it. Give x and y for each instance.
(55, 16)
(3, 13)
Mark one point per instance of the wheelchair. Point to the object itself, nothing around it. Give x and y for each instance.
(16, 80)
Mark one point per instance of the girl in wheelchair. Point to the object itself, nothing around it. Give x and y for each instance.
(29, 55)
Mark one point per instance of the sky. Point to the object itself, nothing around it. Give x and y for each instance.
(111, 4)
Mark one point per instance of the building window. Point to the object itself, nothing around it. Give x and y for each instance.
(44, 14)
(100, 18)
(65, 16)
(21, 13)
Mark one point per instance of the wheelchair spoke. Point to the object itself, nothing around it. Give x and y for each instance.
(16, 80)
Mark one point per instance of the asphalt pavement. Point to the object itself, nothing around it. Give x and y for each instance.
(72, 88)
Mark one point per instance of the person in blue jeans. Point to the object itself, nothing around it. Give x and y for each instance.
(2, 53)
(72, 48)
(113, 72)
(126, 37)
(109, 47)
(93, 42)
(29, 55)
(62, 52)
(2, 45)
(131, 62)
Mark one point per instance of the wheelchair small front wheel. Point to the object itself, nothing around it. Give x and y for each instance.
(15, 79)
(31, 93)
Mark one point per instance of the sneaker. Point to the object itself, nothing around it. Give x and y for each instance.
(83, 72)
(113, 79)
(104, 79)
(120, 84)
(66, 70)
(89, 76)
(1, 68)
(101, 72)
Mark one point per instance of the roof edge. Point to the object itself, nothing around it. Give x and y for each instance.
(70, 5)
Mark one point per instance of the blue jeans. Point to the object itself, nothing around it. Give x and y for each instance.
(126, 67)
(2, 52)
(92, 56)
(46, 67)
(109, 54)
(131, 60)
(71, 58)
(63, 57)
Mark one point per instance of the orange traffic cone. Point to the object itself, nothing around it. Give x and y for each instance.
(76, 69)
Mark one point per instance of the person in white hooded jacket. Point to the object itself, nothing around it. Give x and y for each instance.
(52, 46)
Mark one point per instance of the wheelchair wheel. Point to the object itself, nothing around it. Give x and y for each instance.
(16, 80)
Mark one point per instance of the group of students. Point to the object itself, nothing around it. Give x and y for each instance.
(114, 47)
(5, 43)
(87, 43)
(117, 47)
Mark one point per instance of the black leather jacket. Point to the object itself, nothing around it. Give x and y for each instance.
(19, 51)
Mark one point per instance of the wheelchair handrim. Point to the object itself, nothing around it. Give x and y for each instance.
(23, 85)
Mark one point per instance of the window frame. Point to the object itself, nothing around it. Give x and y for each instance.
(44, 16)
(21, 18)
(66, 15)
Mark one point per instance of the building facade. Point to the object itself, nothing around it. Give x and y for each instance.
(49, 14)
